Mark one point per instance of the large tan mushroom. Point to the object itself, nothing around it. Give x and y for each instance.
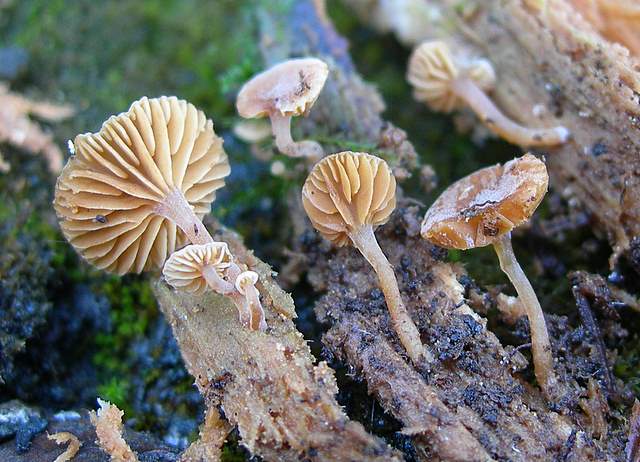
(346, 196)
(446, 82)
(137, 190)
(286, 90)
(482, 209)
(197, 268)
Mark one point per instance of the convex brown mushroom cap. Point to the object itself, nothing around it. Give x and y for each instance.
(432, 71)
(184, 268)
(289, 88)
(108, 195)
(347, 190)
(478, 209)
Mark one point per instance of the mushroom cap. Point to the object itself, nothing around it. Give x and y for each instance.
(432, 70)
(346, 191)
(245, 279)
(107, 193)
(183, 269)
(476, 210)
(290, 88)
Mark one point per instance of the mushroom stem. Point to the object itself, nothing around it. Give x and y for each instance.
(466, 89)
(365, 241)
(281, 129)
(175, 207)
(215, 281)
(222, 287)
(252, 297)
(541, 347)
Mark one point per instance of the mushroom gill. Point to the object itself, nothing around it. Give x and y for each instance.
(137, 190)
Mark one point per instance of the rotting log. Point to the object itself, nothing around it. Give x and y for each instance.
(553, 68)
(265, 383)
(471, 405)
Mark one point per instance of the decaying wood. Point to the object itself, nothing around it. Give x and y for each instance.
(108, 424)
(553, 67)
(72, 442)
(265, 383)
(43, 449)
(208, 447)
(470, 405)
(18, 129)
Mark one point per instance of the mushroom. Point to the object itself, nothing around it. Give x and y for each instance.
(482, 209)
(346, 196)
(246, 285)
(137, 190)
(446, 82)
(285, 90)
(200, 266)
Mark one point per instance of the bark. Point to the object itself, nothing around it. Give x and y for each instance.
(265, 383)
(471, 405)
(553, 68)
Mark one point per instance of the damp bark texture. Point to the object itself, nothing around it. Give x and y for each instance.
(265, 383)
(472, 404)
(552, 68)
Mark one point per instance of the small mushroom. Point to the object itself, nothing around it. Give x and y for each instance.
(346, 196)
(137, 190)
(445, 82)
(482, 209)
(286, 90)
(199, 267)
(246, 285)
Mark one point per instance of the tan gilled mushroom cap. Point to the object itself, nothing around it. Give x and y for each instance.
(347, 190)
(108, 193)
(432, 71)
(275, 89)
(246, 279)
(184, 268)
(478, 209)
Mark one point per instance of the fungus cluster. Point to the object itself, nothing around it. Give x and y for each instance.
(346, 196)
(286, 90)
(482, 209)
(137, 190)
(446, 82)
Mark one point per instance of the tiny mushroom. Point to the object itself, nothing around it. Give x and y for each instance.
(285, 90)
(482, 209)
(246, 285)
(198, 267)
(445, 82)
(346, 196)
(137, 190)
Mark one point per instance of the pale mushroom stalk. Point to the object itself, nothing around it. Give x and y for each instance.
(482, 209)
(175, 207)
(540, 344)
(446, 81)
(255, 309)
(214, 281)
(466, 89)
(281, 129)
(245, 284)
(365, 241)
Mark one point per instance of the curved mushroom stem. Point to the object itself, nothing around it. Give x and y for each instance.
(466, 89)
(214, 280)
(252, 299)
(540, 345)
(281, 129)
(176, 208)
(365, 241)
(222, 287)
